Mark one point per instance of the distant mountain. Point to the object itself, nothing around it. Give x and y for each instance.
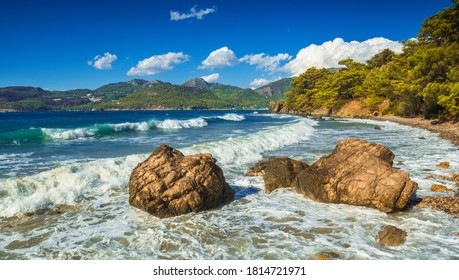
(9, 94)
(168, 96)
(197, 83)
(275, 90)
(134, 94)
(201, 83)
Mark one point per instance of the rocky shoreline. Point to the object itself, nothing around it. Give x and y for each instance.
(446, 130)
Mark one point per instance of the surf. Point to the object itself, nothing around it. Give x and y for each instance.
(81, 182)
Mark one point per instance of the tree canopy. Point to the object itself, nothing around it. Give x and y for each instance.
(422, 80)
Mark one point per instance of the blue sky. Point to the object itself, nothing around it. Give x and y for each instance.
(86, 44)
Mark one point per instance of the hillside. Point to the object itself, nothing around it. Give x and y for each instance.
(275, 90)
(134, 94)
(201, 83)
(423, 80)
(167, 96)
(141, 94)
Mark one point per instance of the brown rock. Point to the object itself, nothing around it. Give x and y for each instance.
(453, 178)
(448, 204)
(170, 184)
(326, 256)
(443, 164)
(317, 117)
(277, 172)
(355, 144)
(400, 163)
(439, 188)
(430, 177)
(357, 173)
(391, 236)
(377, 127)
(275, 106)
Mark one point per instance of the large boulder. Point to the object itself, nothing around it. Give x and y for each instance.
(277, 172)
(357, 173)
(352, 145)
(448, 204)
(170, 184)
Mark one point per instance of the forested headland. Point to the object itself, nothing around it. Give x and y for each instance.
(423, 80)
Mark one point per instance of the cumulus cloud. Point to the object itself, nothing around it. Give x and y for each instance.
(158, 63)
(211, 78)
(193, 13)
(262, 81)
(330, 53)
(103, 62)
(220, 58)
(266, 62)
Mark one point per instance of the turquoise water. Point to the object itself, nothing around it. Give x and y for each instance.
(79, 163)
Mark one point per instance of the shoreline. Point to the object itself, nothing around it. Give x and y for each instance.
(447, 130)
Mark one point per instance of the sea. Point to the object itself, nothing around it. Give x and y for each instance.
(64, 188)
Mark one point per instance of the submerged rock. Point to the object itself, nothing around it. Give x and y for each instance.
(277, 172)
(170, 184)
(438, 188)
(326, 256)
(357, 173)
(448, 204)
(391, 236)
(443, 164)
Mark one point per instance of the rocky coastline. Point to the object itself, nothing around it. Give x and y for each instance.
(448, 130)
(357, 173)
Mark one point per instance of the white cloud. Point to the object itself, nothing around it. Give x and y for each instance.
(262, 81)
(192, 14)
(266, 62)
(103, 62)
(220, 58)
(211, 78)
(158, 63)
(331, 52)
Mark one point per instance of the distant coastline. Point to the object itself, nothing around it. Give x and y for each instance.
(447, 130)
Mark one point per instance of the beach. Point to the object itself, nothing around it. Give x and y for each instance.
(447, 130)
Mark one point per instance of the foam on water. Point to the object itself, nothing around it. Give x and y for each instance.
(256, 225)
(140, 126)
(177, 124)
(98, 130)
(69, 134)
(79, 182)
(247, 149)
(232, 117)
(69, 185)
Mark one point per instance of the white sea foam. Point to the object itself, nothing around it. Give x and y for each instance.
(256, 225)
(177, 124)
(277, 116)
(140, 126)
(69, 134)
(232, 117)
(88, 132)
(69, 184)
(78, 183)
(247, 149)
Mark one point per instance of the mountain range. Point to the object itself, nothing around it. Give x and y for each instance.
(142, 94)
